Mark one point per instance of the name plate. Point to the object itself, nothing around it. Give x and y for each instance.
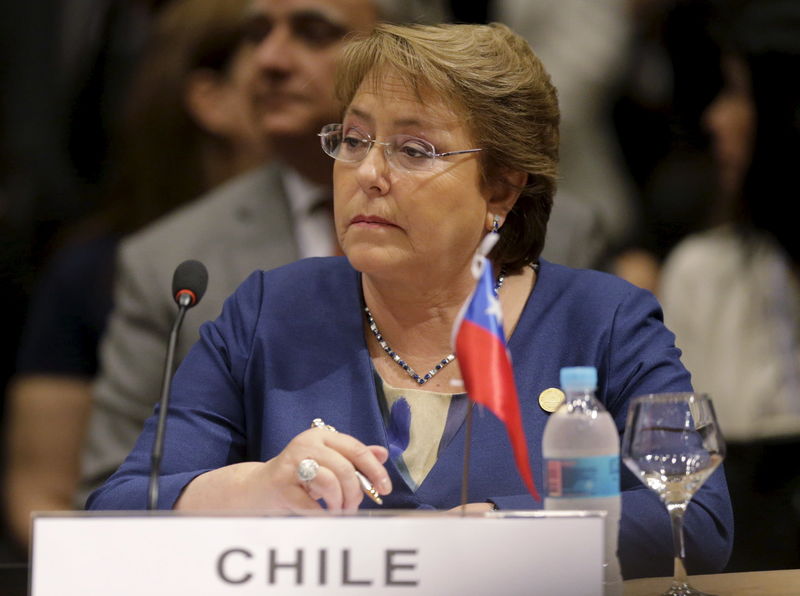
(402, 553)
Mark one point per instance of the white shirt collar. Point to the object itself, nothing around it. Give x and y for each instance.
(303, 195)
(313, 228)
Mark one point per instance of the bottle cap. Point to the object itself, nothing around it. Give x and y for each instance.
(576, 378)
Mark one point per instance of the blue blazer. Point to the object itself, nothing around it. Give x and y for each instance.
(289, 347)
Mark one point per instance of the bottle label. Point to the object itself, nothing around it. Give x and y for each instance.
(583, 476)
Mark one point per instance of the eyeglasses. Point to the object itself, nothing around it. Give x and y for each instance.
(404, 151)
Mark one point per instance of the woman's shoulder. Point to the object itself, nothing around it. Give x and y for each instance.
(566, 283)
(584, 301)
(313, 291)
(316, 281)
(311, 272)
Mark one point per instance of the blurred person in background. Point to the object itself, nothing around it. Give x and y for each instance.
(187, 128)
(64, 69)
(732, 294)
(671, 76)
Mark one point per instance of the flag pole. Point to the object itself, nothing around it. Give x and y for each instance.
(479, 261)
(485, 364)
(465, 471)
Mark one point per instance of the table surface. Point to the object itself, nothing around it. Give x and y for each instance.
(785, 582)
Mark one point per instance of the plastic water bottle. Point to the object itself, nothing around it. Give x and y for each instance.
(581, 458)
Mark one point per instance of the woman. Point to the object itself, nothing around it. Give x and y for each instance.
(449, 133)
(185, 130)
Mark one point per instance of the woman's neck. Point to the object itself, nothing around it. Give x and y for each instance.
(416, 320)
(418, 311)
(416, 324)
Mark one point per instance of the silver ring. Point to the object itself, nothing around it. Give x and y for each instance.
(320, 423)
(307, 471)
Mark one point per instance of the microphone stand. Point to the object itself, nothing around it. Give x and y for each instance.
(184, 302)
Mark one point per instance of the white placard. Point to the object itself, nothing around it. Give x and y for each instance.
(168, 554)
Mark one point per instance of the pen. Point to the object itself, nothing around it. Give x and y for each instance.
(368, 489)
(366, 485)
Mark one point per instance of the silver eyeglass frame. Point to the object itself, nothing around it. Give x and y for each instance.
(370, 142)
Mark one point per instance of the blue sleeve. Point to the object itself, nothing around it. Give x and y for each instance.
(644, 359)
(206, 426)
(640, 357)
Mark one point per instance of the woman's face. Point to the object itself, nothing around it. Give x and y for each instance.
(394, 222)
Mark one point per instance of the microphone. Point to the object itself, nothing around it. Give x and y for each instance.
(189, 283)
(188, 286)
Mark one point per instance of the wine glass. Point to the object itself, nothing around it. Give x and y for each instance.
(673, 444)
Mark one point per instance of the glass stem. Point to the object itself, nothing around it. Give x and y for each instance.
(676, 517)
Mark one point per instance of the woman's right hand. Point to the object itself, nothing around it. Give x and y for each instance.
(275, 486)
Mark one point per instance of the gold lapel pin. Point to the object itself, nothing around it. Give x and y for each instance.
(551, 399)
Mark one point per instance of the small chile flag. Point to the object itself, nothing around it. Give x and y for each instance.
(485, 363)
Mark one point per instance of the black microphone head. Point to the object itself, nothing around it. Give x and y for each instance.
(189, 283)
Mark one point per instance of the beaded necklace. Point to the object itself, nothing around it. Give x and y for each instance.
(421, 380)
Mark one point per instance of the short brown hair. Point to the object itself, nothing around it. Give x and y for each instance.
(506, 95)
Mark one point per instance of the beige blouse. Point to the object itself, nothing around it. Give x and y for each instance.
(434, 419)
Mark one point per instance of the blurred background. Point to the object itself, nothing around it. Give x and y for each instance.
(642, 145)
